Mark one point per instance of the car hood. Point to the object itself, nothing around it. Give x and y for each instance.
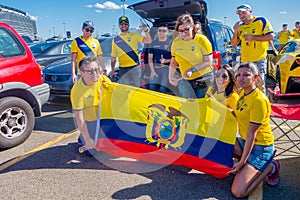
(159, 11)
(64, 65)
(60, 66)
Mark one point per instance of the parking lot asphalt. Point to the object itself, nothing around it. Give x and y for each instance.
(55, 170)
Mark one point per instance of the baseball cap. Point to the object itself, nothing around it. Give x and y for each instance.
(244, 7)
(88, 24)
(123, 19)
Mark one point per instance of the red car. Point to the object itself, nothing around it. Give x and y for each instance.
(22, 89)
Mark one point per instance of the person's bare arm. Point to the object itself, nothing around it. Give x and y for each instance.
(100, 58)
(235, 39)
(79, 116)
(73, 66)
(151, 65)
(113, 64)
(260, 38)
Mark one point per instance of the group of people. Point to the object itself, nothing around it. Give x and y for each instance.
(284, 35)
(186, 62)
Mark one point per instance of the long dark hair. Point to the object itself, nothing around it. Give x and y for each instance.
(231, 87)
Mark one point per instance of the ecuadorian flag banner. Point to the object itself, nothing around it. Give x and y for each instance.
(165, 129)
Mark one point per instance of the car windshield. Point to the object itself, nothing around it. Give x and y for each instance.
(41, 47)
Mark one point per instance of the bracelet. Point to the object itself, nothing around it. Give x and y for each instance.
(193, 69)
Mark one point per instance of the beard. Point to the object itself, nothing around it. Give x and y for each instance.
(124, 29)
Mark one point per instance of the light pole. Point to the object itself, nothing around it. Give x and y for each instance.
(225, 20)
(64, 25)
(123, 1)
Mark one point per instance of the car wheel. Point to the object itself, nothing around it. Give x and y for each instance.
(16, 121)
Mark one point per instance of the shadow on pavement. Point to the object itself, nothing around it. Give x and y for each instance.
(169, 182)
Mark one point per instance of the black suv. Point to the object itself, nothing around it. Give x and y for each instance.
(166, 12)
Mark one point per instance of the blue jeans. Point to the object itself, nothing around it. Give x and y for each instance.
(187, 90)
(160, 82)
(193, 89)
(260, 156)
(130, 76)
(262, 68)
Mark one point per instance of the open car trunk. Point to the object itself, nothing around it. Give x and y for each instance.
(167, 11)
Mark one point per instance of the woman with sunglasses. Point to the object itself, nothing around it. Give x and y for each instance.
(254, 149)
(192, 52)
(224, 89)
(85, 99)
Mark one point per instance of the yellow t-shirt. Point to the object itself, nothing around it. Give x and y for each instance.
(86, 98)
(255, 108)
(283, 37)
(230, 101)
(252, 51)
(132, 39)
(190, 53)
(295, 34)
(92, 43)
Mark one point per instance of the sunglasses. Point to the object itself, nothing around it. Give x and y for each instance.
(124, 24)
(92, 71)
(162, 30)
(184, 30)
(89, 30)
(223, 76)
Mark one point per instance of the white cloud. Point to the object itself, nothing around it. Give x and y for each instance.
(89, 6)
(109, 6)
(98, 11)
(283, 12)
(99, 5)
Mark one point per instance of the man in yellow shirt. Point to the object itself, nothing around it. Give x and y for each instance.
(283, 36)
(83, 46)
(125, 47)
(85, 98)
(296, 31)
(253, 34)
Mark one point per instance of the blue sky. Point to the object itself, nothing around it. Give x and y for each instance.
(53, 16)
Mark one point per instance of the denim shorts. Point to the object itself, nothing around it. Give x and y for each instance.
(260, 156)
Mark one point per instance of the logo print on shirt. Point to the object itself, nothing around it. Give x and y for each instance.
(193, 48)
(129, 39)
(93, 45)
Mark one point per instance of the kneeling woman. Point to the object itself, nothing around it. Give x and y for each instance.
(255, 146)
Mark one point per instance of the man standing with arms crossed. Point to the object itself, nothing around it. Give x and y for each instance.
(125, 47)
(253, 34)
(84, 46)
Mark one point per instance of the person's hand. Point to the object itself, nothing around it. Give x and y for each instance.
(236, 26)
(248, 37)
(152, 75)
(174, 81)
(89, 143)
(236, 167)
(163, 60)
(74, 78)
(188, 73)
(112, 74)
(144, 27)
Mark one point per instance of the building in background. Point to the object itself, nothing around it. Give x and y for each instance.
(19, 20)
